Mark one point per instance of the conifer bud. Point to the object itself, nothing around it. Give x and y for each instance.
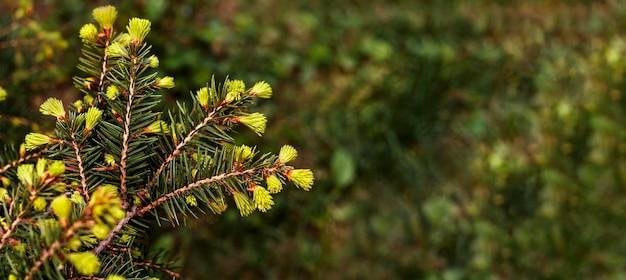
(273, 184)
(78, 104)
(191, 200)
(92, 118)
(242, 153)
(124, 39)
(105, 16)
(3, 94)
(56, 168)
(40, 204)
(62, 208)
(88, 33)
(138, 29)
(302, 178)
(77, 198)
(262, 199)
(40, 167)
(287, 153)
(112, 92)
(100, 231)
(5, 181)
(254, 121)
(4, 195)
(109, 159)
(115, 277)
(53, 107)
(157, 127)
(203, 97)
(261, 89)
(243, 203)
(34, 140)
(117, 50)
(86, 263)
(25, 174)
(153, 61)
(165, 82)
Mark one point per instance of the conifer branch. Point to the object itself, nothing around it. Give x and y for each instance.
(7, 233)
(105, 61)
(22, 159)
(126, 137)
(189, 187)
(152, 265)
(179, 148)
(81, 169)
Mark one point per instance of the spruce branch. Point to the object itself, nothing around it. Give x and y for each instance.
(23, 158)
(81, 169)
(158, 267)
(105, 242)
(126, 136)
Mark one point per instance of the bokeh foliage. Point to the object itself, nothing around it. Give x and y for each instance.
(451, 139)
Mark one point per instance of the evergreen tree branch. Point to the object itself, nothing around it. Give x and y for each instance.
(11, 229)
(105, 61)
(22, 159)
(81, 169)
(179, 148)
(189, 187)
(126, 136)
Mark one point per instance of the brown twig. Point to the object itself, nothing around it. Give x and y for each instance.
(151, 265)
(129, 215)
(22, 159)
(126, 137)
(52, 249)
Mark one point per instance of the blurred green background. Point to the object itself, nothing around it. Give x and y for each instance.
(449, 139)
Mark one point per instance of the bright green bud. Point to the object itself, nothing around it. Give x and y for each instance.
(157, 127)
(153, 61)
(302, 178)
(3, 94)
(88, 33)
(287, 153)
(109, 159)
(56, 168)
(40, 204)
(124, 39)
(74, 244)
(237, 86)
(4, 195)
(115, 277)
(165, 82)
(59, 186)
(25, 174)
(117, 50)
(100, 231)
(78, 104)
(138, 28)
(261, 89)
(92, 118)
(12, 277)
(117, 213)
(112, 92)
(77, 198)
(86, 263)
(41, 166)
(232, 96)
(89, 100)
(243, 203)
(53, 107)
(105, 16)
(273, 184)
(34, 140)
(242, 153)
(125, 238)
(262, 199)
(191, 200)
(254, 121)
(203, 96)
(217, 208)
(61, 207)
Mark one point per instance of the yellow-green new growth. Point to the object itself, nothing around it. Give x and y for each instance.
(138, 29)
(109, 159)
(86, 263)
(92, 118)
(157, 127)
(254, 121)
(262, 199)
(153, 61)
(40, 204)
(61, 207)
(261, 89)
(53, 107)
(302, 178)
(34, 140)
(88, 33)
(287, 153)
(112, 92)
(191, 200)
(243, 203)
(56, 168)
(165, 82)
(242, 153)
(117, 50)
(203, 97)
(26, 173)
(100, 231)
(273, 184)
(105, 16)
(40, 167)
(115, 277)
(4, 195)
